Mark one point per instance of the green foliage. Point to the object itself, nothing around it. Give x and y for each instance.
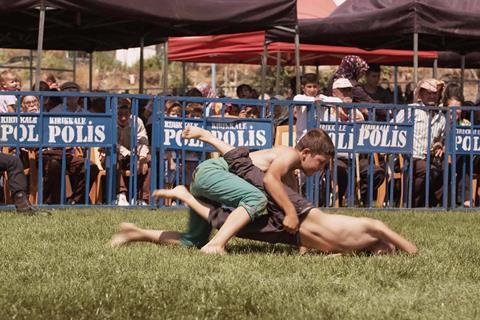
(105, 61)
(60, 268)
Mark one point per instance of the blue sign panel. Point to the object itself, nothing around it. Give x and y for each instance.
(55, 130)
(364, 137)
(76, 130)
(467, 140)
(254, 134)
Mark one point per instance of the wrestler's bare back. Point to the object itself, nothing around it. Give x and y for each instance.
(262, 159)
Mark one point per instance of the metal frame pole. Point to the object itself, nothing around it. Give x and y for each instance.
(415, 58)
(90, 71)
(264, 69)
(277, 74)
(435, 68)
(297, 60)
(184, 78)
(214, 77)
(31, 69)
(165, 67)
(41, 30)
(142, 67)
(462, 73)
(74, 71)
(395, 84)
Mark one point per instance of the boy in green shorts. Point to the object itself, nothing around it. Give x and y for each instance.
(213, 182)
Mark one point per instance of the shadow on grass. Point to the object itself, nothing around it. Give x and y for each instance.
(264, 248)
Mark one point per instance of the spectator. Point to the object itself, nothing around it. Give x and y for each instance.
(342, 92)
(124, 131)
(372, 88)
(244, 91)
(17, 183)
(8, 82)
(352, 68)
(427, 94)
(75, 161)
(309, 89)
(30, 104)
(72, 104)
(52, 82)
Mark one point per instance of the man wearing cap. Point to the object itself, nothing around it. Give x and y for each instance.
(72, 104)
(75, 161)
(342, 91)
(427, 119)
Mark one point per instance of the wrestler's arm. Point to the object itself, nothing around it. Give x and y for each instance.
(274, 186)
(381, 231)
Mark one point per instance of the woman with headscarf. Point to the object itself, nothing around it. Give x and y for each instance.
(352, 68)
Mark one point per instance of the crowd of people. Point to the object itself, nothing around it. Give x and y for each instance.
(355, 81)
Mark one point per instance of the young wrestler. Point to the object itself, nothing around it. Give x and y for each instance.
(324, 232)
(310, 155)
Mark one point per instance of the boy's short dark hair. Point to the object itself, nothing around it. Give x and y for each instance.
(374, 67)
(194, 92)
(318, 141)
(309, 78)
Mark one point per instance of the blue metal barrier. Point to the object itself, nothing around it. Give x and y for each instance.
(378, 145)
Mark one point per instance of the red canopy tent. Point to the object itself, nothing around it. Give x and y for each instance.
(247, 48)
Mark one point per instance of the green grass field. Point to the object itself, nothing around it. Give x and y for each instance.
(60, 268)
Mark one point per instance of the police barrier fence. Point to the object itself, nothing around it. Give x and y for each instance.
(89, 148)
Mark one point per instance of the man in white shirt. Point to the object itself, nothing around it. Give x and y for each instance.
(427, 121)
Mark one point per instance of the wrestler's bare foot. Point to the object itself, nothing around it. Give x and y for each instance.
(192, 132)
(179, 192)
(210, 249)
(127, 232)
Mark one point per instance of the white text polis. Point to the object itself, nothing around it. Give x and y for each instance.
(237, 134)
(367, 136)
(59, 130)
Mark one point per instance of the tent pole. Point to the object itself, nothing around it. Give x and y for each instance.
(462, 73)
(317, 71)
(435, 68)
(264, 69)
(297, 60)
(277, 74)
(31, 69)
(165, 67)
(142, 67)
(184, 79)
(75, 66)
(395, 84)
(214, 77)
(90, 71)
(415, 58)
(41, 30)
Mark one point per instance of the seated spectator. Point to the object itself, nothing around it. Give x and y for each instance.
(8, 82)
(352, 68)
(244, 91)
(124, 154)
(342, 92)
(372, 88)
(427, 94)
(75, 160)
(73, 102)
(51, 81)
(30, 104)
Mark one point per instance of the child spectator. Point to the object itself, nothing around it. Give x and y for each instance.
(124, 131)
(8, 82)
